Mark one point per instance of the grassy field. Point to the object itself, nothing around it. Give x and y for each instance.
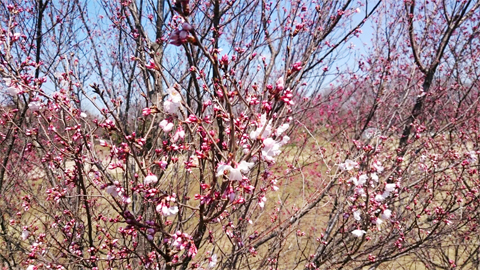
(309, 172)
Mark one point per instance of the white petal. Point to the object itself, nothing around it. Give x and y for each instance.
(282, 128)
(25, 234)
(235, 175)
(362, 179)
(379, 197)
(387, 214)
(358, 233)
(112, 190)
(390, 187)
(222, 168)
(357, 215)
(245, 166)
(150, 179)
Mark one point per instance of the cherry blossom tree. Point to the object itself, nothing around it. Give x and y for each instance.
(203, 135)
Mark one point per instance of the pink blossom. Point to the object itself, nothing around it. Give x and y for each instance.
(180, 36)
(297, 66)
(180, 134)
(151, 64)
(280, 84)
(146, 111)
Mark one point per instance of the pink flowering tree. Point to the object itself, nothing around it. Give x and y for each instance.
(201, 135)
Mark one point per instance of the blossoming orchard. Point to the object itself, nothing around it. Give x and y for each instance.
(247, 134)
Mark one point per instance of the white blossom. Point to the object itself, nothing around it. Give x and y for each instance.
(271, 149)
(245, 166)
(261, 201)
(348, 165)
(390, 187)
(35, 105)
(174, 101)
(358, 233)
(25, 234)
(369, 133)
(150, 179)
(378, 166)
(362, 179)
(267, 130)
(13, 91)
(234, 173)
(167, 211)
(112, 190)
(386, 214)
(213, 261)
(166, 126)
(357, 215)
(282, 128)
(380, 197)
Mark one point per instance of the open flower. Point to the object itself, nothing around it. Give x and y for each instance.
(282, 128)
(166, 208)
(261, 201)
(386, 214)
(378, 166)
(212, 261)
(348, 165)
(150, 179)
(35, 105)
(358, 233)
(271, 149)
(388, 189)
(112, 190)
(362, 179)
(234, 173)
(25, 234)
(167, 211)
(357, 215)
(166, 126)
(174, 101)
(262, 126)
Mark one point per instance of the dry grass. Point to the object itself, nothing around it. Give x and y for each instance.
(296, 189)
